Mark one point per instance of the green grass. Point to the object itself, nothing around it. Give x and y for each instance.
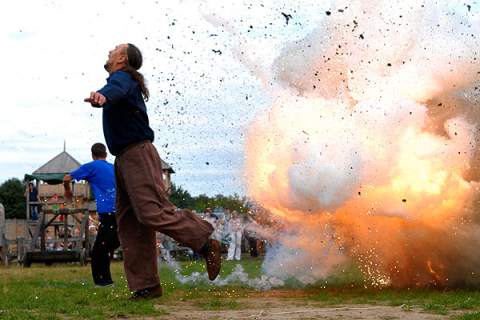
(66, 291)
(469, 316)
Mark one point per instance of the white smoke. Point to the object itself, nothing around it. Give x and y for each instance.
(374, 139)
(237, 277)
(369, 150)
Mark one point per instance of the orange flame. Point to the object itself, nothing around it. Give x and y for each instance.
(370, 153)
(395, 197)
(439, 277)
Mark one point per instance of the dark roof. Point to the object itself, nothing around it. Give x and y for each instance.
(166, 166)
(54, 170)
(62, 163)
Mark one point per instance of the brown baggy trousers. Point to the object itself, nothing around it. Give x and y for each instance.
(143, 208)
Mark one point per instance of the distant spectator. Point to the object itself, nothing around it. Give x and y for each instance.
(54, 199)
(92, 229)
(216, 223)
(48, 246)
(33, 197)
(235, 249)
(250, 235)
(208, 209)
(207, 216)
(163, 247)
(225, 232)
(61, 245)
(227, 214)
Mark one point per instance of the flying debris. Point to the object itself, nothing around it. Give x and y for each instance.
(287, 16)
(397, 110)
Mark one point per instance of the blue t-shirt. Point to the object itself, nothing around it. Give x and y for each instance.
(99, 174)
(125, 119)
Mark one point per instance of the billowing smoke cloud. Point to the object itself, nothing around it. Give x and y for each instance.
(369, 152)
(237, 276)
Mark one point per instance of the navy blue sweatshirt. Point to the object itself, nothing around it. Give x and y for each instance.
(125, 119)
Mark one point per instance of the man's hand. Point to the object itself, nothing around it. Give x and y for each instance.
(68, 195)
(96, 98)
(66, 185)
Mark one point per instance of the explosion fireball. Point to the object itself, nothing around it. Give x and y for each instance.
(369, 153)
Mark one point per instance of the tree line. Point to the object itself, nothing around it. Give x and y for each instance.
(11, 196)
(12, 190)
(184, 200)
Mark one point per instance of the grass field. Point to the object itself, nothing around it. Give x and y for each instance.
(66, 291)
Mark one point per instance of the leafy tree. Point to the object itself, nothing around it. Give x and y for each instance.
(235, 202)
(203, 201)
(11, 196)
(181, 197)
(219, 198)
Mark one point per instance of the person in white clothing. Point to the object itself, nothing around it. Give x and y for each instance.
(210, 218)
(235, 248)
(92, 229)
(207, 216)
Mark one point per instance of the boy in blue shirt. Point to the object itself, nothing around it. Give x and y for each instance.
(99, 173)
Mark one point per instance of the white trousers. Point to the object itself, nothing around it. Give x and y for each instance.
(235, 248)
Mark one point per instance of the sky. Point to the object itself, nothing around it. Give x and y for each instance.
(203, 61)
(207, 63)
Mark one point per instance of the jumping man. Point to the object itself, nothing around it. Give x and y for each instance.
(141, 202)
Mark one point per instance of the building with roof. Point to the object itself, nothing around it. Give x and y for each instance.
(49, 177)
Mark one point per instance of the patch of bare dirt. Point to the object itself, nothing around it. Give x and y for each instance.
(277, 308)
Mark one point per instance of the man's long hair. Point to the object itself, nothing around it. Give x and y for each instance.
(135, 61)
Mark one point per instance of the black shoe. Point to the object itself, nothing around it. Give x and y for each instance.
(105, 285)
